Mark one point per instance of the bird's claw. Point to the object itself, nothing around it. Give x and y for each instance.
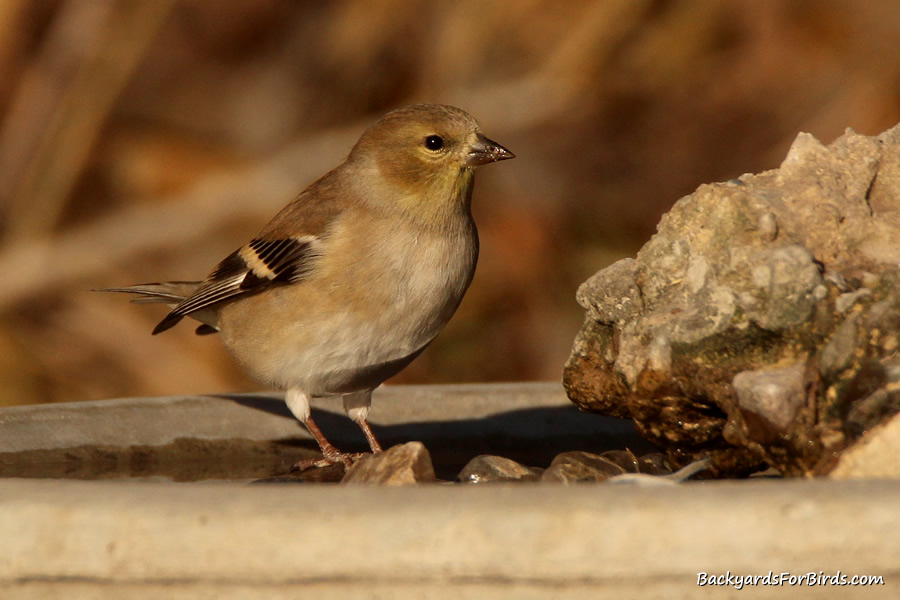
(329, 459)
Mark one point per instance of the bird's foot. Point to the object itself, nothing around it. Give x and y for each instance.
(328, 459)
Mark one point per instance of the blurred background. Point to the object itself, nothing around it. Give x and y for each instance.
(144, 140)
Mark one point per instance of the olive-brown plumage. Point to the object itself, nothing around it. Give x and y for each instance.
(348, 283)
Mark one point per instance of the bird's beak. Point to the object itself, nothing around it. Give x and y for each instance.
(485, 151)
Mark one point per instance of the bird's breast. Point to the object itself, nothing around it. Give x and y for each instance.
(430, 275)
(363, 313)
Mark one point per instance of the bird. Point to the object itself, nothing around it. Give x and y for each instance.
(355, 277)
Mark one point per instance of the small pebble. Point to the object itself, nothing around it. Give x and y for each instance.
(406, 464)
(580, 467)
(487, 468)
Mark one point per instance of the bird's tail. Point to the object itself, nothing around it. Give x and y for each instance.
(171, 293)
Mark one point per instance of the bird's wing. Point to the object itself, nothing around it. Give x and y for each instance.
(250, 269)
(285, 251)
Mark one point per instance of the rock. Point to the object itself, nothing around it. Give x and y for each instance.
(489, 469)
(624, 458)
(654, 463)
(406, 464)
(769, 399)
(876, 456)
(759, 325)
(872, 410)
(580, 467)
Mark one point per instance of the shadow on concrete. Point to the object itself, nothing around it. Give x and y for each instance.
(532, 436)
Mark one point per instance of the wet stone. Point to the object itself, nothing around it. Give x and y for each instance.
(654, 463)
(487, 468)
(406, 464)
(624, 458)
(580, 467)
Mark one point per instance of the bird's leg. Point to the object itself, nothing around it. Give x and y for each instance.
(331, 453)
(357, 407)
(370, 437)
(298, 403)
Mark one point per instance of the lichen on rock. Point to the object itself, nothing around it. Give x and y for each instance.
(760, 323)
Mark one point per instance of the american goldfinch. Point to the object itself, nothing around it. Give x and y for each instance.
(353, 279)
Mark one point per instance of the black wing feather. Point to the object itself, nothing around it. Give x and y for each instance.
(271, 262)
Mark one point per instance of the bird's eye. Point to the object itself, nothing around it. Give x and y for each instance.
(434, 142)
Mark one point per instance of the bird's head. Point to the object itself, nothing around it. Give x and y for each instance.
(427, 152)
